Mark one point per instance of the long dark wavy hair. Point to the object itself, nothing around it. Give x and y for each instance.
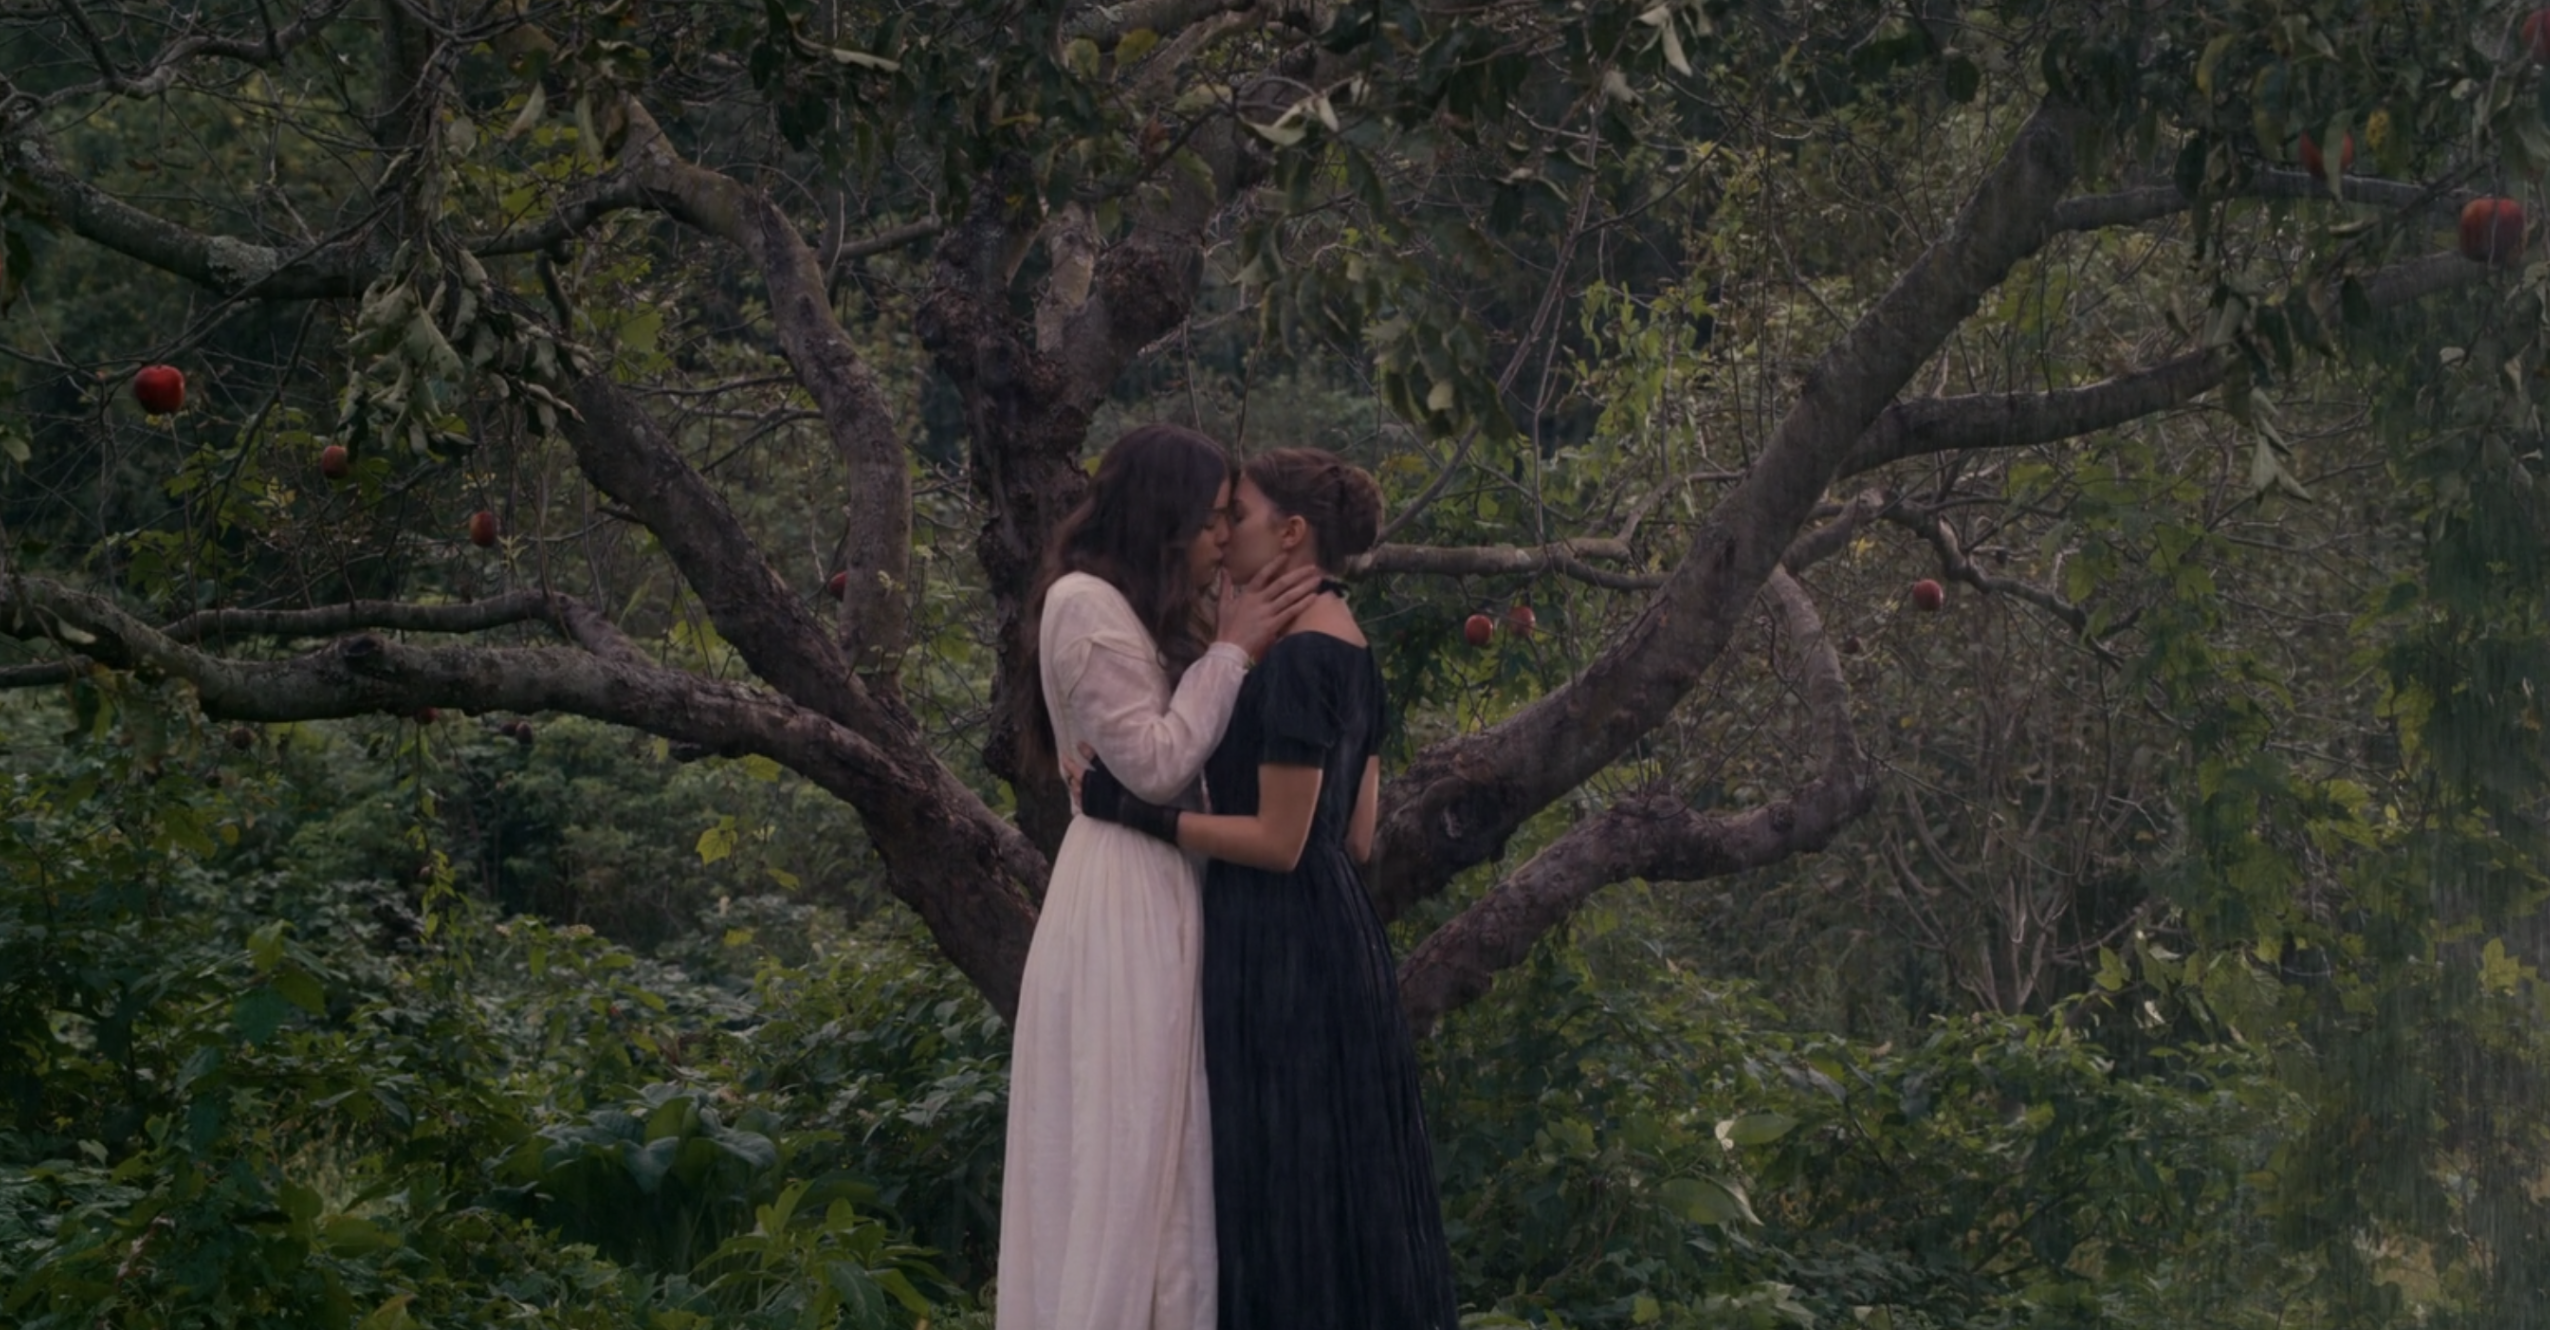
(1152, 496)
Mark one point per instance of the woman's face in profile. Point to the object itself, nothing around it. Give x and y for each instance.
(1204, 555)
(1256, 532)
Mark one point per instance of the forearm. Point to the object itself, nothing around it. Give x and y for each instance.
(1254, 841)
(1270, 838)
(1158, 753)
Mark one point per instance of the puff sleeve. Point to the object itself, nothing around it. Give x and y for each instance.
(1300, 716)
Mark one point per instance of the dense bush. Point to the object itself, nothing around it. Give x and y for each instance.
(250, 1083)
(241, 1094)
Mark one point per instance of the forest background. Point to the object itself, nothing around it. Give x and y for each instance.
(1964, 605)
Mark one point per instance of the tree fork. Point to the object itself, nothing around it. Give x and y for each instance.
(1460, 800)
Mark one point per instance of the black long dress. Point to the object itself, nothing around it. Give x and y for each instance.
(1325, 1209)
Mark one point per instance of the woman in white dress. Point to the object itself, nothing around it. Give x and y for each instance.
(1107, 1193)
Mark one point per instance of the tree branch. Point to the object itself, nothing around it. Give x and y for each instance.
(968, 874)
(335, 268)
(43, 673)
(628, 457)
(597, 199)
(581, 623)
(1572, 558)
(1814, 547)
(1652, 836)
(2019, 420)
(329, 620)
(2132, 207)
(891, 238)
(159, 74)
(581, 209)
(872, 625)
(1107, 24)
(1958, 566)
(1461, 799)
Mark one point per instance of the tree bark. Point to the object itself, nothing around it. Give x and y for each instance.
(874, 621)
(1027, 410)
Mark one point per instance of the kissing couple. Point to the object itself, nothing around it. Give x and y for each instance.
(1213, 1111)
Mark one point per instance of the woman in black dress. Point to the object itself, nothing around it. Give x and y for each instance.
(1323, 1180)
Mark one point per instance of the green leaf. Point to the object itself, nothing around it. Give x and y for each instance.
(1755, 1128)
(265, 946)
(390, 1315)
(258, 1013)
(1080, 56)
(2499, 972)
(648, 1164)
(2212, 60)
(2112, 974)
(1960, 78)
(301, 989)
(1707, 1201)
(718, 841)
(862, 1300)
(2355, 304)
(347, 1235)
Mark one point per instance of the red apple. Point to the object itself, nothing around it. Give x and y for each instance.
(1520, 620)
(2492, 231)
(839, 586)
(161, 389)
(428, 715)
(2536, 35)
(2318, 165)
(1928, 595)
(333, 463)
(1479, 629)
(482, 528)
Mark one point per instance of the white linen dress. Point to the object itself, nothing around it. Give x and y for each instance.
(1107, 1193)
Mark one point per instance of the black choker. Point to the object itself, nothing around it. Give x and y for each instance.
(1332, 586)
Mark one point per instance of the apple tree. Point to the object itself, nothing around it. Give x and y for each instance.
(771, 342)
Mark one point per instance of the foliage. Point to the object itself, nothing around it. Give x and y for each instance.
(2188, 963)
(244, 1095)
(1646, 1147)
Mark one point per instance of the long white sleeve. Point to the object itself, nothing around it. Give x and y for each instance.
(1106, 687)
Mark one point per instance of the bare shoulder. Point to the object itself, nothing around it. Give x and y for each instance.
(1330, 617)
